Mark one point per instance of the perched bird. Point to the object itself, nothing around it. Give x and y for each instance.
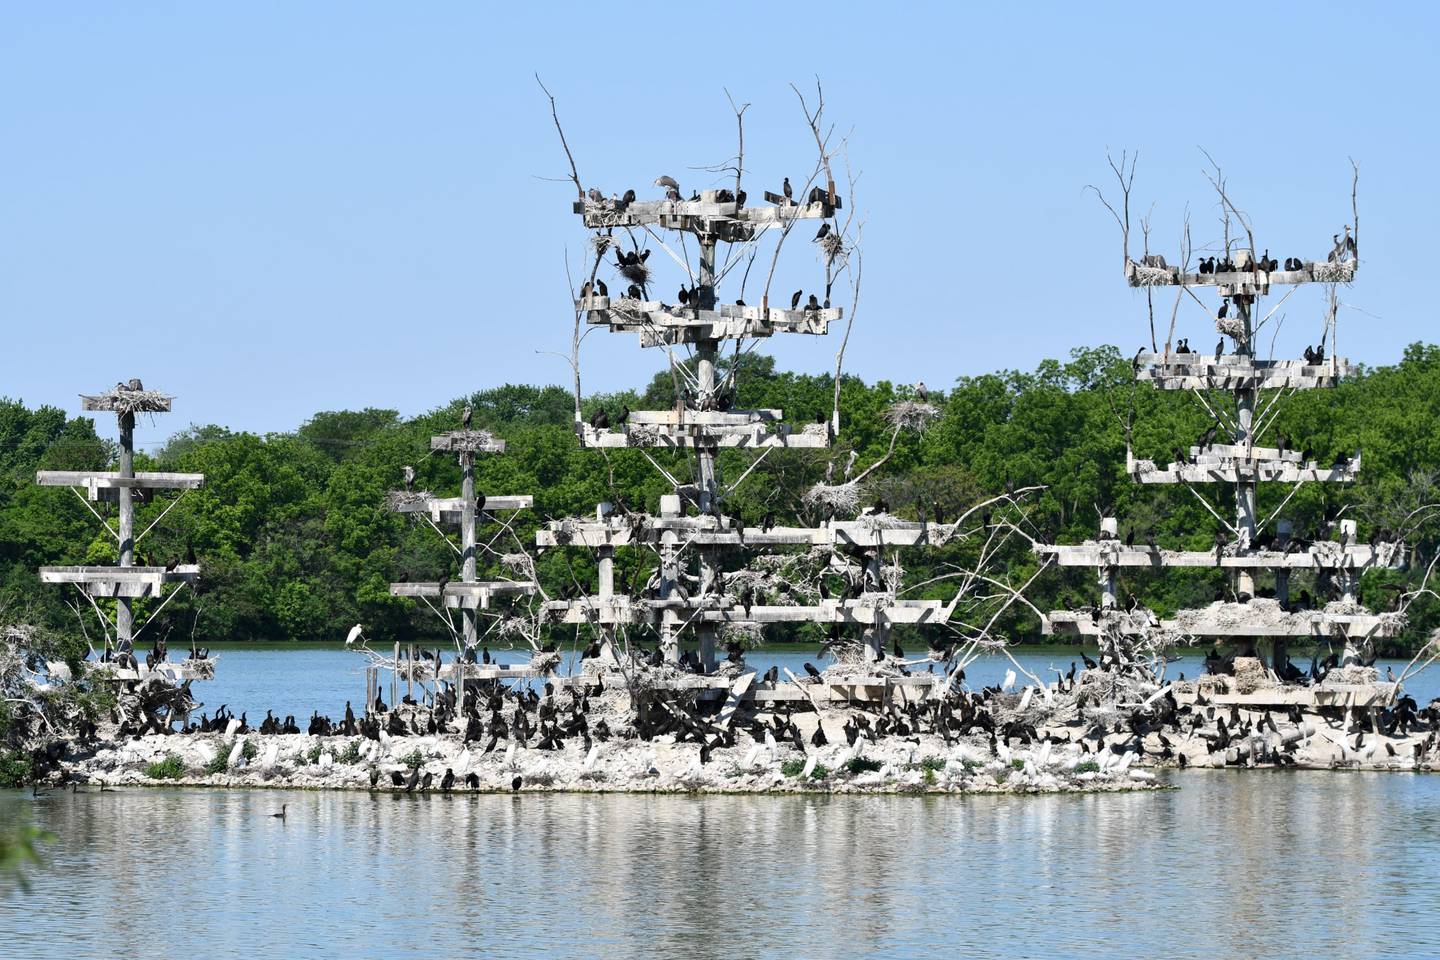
(353, 635)
(664, 181)
(683, 295)
(409, 473)
(603, 290)
(629, 197)
(795, 300)
(921, 393)
(466, 415)
(600, 420)
(824, 231)
(787, 190)
(595, 195)
(1219, 348)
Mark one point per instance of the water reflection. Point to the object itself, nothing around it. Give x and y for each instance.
(1233, 864)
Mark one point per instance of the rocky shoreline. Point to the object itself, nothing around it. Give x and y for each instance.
(301, 761)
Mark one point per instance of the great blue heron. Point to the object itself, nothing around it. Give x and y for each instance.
(409, 477)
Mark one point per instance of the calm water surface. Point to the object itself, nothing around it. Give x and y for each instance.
(1233, 864)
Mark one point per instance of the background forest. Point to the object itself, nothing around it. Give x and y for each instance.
(295, 546)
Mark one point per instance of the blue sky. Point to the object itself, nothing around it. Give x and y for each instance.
(345, 203)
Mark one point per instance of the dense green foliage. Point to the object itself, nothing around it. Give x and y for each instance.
(295, 545)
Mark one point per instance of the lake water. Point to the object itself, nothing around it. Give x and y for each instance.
(1232, 864)
(299, 680)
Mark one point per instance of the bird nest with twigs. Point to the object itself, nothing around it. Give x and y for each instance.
(473, 441)
(912, 415)
(1143, 276)
(1341, 271)
(841, 498)
(1232, 327)
(398, 499)
(637, 273)
(832, 244)
(123, 400)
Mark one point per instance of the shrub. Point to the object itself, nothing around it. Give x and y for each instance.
(794, 768)
(251, 750)
(863, 765)
(312, 756)
(171, 768)
(351, 753)
(14, 769)
(1087, 766)
(1017, 764)
(414, 760)
(220, 764)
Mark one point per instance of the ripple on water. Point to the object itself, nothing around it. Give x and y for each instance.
(1233, 864)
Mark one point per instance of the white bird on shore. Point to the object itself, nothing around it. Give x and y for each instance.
(752, 756)
(510, 754)
(1009, 682)
(589, 763)
(809, 767)
(353, 635)
(236, 752)
(1026, 697)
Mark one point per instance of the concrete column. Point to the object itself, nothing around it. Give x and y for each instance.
(124, 615)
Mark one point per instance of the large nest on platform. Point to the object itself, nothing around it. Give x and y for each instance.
(833, 245)
(472, 441)
(912, 415)
(1335, 272)
(628, 310)
(881, 521)
(122, 400)
(644, 435)
(748, 636)
(1143, 276)
(396, 499)
(841, 498)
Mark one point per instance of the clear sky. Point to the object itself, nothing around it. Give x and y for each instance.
(271, 209)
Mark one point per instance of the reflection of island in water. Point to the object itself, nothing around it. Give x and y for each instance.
(1198, 869)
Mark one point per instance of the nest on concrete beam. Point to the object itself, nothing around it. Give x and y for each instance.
(841, 498)
(1335, 271)
(396, 499)
(832, 244)
(123, 400)
(1152, 276)
(912, 415)
(473, 441)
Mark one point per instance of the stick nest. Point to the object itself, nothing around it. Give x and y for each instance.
(472, 441)
(912, 415)
(636, 273)
(1151, 276)
(123, 401)
(1333, 272)
(397, 499)
(842, 498)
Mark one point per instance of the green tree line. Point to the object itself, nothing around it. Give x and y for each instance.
(295, 543)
